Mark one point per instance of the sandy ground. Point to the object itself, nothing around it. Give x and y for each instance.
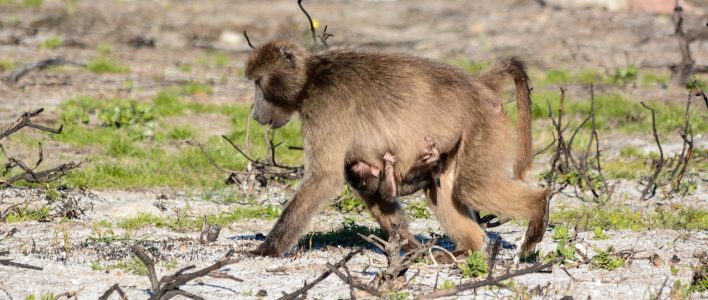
(184, 32)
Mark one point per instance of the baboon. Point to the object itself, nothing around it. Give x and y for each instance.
(355, 106)
(369, 179)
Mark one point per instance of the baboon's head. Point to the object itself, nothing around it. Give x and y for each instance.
(278, 70)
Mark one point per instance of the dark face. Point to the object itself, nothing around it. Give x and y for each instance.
(267, 113)
(278, 72)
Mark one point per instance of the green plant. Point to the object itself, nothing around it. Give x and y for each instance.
(126, 113)
(105, 49)
(561, 233)
(564, 250)
(475, 265)
(447, 284)
(418, 210)
(104, 65)
(558, 76)
(606, 259)
(625, 75)
(599, 233)
(349, 202)
(27, 213)
(51, 43)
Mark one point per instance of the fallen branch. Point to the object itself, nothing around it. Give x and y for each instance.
(487, 282)
(25, 120)
(39, 65)
(10, 263)
(353, 282)
(114, 288)
(323, 276)
(168, 286)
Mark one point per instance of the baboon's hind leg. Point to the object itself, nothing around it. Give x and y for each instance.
(453, 216)
(389, 215)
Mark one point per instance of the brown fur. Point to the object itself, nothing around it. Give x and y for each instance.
(357, 106)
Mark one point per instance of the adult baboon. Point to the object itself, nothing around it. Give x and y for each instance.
(356, 106)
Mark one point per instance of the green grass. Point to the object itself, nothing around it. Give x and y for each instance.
(475, 265)
(27, 213)
(620, 217)
(106, 65)
(214, 59)
(614, 111)
(472, 67)
(51, 43)
(186, 223)
(606, 259)
(6, 65)
(26, 3)
(132, 142)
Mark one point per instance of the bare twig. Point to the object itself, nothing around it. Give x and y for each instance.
(487, 282)
(651, 182)
(38, 65)
(10, 263)
(168, 286)
(323, 276)
(248, 40)
(681, 72)
(25, 120)
(352, 282)
(312, 25)
(114, 288)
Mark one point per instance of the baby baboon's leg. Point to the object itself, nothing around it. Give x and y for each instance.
(391, 187)
(389, 216)
(453, 216)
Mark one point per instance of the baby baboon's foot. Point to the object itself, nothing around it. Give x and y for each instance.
(389, 174)
(431, 153)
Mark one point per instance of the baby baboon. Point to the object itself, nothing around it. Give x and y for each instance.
(368, 179)
(356, 106)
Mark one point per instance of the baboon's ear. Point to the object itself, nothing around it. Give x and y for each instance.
(287, 54)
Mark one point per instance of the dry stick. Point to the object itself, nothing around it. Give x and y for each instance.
(650, 189)
(686, 148)
(110, 291)
(247, 139)
(594, 135)
(10, 263)
(38, 65)
(25, 120)
(353, 283)
(168, 286)
(680, 73)
(323, 276)
(312, 25)
(248, 40)
(487, 282)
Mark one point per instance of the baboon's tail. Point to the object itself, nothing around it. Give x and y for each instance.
(515, 68)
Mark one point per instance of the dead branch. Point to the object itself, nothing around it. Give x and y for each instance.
(393, 277)
(308, 286)
(681, 72)
(325, 35)
(248, 40)
(353, 283)
(651, 182)
(10, 263)
(168, 286)
(312, 25)
(114, 288)
(25, 120)
(686, 148)
(486, 282)
(39, 65)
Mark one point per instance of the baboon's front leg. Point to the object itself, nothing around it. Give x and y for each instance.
(295, 219)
